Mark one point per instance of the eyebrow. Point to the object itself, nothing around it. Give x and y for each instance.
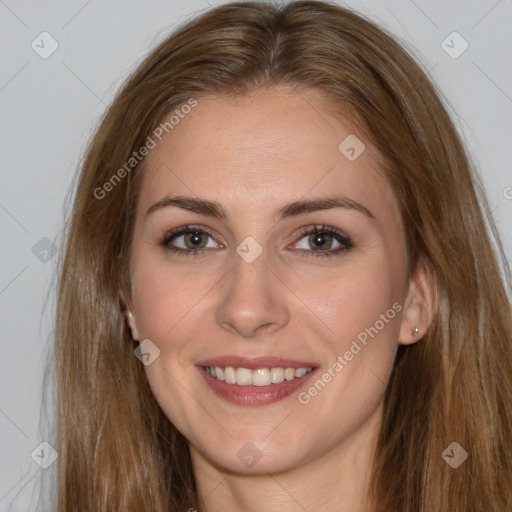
(294, 209)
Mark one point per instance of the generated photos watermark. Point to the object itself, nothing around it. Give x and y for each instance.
(305, 397)
(166, 126)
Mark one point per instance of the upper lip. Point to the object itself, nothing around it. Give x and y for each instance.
(253, 363)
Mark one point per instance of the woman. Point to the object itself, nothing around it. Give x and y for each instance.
(279, 291)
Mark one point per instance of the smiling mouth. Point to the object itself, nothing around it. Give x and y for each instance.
(259, 377)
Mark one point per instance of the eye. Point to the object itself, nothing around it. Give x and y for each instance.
(188, 240)
(321, 241)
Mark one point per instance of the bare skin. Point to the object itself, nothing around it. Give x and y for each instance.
(253, 155)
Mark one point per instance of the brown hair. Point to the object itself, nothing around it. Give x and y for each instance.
(117, 449)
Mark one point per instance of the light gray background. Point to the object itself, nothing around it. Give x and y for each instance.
(49, 108)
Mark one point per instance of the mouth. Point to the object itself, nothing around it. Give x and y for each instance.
(257, 381)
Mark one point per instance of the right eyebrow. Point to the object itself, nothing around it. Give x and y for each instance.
(192, 204)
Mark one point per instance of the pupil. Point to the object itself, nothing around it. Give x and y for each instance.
(319, 240)
(195, 238)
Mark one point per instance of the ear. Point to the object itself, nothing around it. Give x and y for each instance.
(133, 325)
(130, 316)
(420, 305)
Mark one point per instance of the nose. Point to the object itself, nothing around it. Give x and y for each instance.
(253, 299)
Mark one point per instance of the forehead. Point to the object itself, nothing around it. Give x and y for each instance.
(268, 147)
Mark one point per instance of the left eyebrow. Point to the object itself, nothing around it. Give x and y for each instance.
(294, 209)
(303, 207)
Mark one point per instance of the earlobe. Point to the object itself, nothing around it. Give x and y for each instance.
(420, 305)
(133, 325)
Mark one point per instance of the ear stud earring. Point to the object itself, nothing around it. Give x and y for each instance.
(415, 331)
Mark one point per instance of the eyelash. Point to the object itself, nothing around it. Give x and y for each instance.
(340, 237)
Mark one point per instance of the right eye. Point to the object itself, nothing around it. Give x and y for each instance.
(193, 240)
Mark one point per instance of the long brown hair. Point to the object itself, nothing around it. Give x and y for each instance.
(117, 449)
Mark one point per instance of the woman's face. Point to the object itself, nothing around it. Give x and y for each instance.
(293, 261)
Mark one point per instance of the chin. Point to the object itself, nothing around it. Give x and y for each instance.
(253, 458)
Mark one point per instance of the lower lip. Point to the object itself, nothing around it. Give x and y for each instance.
(254, 395)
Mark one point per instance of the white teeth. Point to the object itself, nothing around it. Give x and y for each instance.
(259, 377)
(289, 373)
(229, 375)
(243, 377)
(276, 375)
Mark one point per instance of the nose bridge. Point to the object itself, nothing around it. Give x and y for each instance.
(252, 297)
(250, 275)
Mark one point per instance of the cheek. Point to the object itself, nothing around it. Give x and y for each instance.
(164, 297)
(349, 304)
(169, 310)
(357, 319)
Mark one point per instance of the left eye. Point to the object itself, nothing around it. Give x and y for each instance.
(318, 240)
